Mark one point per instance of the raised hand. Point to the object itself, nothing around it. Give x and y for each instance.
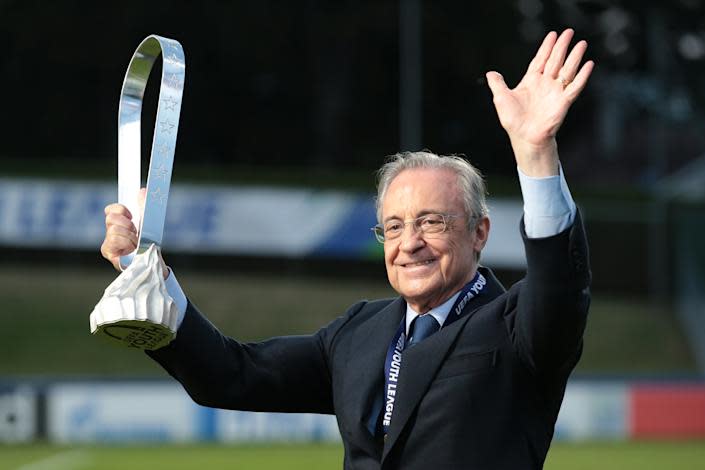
(534, 110)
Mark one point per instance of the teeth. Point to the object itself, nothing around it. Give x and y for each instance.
(420, 263)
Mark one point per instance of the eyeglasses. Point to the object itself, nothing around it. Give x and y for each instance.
(430, 225)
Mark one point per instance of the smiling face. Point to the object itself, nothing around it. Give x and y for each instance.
(425, 270)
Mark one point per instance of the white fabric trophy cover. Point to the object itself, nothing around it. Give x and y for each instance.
(136, 309)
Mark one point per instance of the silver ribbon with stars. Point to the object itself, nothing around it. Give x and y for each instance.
(163, 143)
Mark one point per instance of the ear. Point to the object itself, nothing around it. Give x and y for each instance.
(482, 232)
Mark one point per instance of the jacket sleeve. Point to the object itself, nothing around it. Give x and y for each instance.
(284, 374)
(553, 300)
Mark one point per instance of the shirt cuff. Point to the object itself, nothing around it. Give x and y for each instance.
(177, 294)
(548, 206)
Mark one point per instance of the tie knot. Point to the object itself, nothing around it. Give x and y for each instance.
(421, 328)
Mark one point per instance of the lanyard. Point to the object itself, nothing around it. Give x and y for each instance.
(471, 290)
(392, 364)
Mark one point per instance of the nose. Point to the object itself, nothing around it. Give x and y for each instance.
(411, 239)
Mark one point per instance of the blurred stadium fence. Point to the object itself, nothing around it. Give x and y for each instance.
(158, 411)
(681, 201)
(224, 220)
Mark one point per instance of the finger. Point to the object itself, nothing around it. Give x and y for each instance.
(574, 89)
(116, 246)
(117, 220)
(111, 249)
(570, 67)
(496, 83)
(555, 61)
(118, 209)
(113, 256)
(121, 238)
(538, 63)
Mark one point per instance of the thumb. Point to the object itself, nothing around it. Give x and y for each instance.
(496, 83)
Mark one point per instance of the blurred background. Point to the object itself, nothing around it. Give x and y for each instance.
(288, 110)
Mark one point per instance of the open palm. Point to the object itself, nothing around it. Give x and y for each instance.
(534, 110)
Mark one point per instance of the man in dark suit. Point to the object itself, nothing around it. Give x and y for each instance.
(456, 372)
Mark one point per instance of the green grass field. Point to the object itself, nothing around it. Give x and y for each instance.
(603, 456)
(45, 320)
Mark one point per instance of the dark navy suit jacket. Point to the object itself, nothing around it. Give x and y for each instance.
(483, 393)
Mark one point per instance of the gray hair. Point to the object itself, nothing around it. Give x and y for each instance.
(470, 182)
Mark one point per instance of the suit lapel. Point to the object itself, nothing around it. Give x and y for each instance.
(364, 378)
(421, 362)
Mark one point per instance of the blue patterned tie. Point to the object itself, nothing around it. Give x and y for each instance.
(421, 328)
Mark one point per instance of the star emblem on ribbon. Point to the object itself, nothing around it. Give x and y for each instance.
(163, 149)
(160, 172)
(173, 81)
(170, 103)
(167, 127)
(174, 57)
(159, 196)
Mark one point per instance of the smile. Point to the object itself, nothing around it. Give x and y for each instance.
(418, 263)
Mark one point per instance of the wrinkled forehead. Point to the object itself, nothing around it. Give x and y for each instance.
(416, 191)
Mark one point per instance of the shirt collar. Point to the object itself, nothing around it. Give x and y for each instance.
(440, 313)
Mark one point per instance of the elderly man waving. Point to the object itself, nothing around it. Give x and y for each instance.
(456, 372)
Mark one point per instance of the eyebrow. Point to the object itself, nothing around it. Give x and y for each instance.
(419, 214)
